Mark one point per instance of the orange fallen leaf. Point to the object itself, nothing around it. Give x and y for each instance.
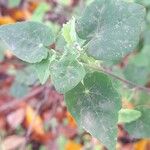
(72, 145)
(34, 120)
(42, 138)
(20, 15)
(142, 145)
(71, 120)
(32, 6)
(6, 20)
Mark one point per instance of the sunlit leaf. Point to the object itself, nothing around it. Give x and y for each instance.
(128, 115)
(68, 31)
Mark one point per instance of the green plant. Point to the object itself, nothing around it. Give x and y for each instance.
(104, 34)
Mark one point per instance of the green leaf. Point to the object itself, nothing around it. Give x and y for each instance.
(111, 28)
(2, 48)
(27, 40)
(147, 37)
(141, 99)
(144, 2)
(128, 115)
(60, 43)
(13, 3)
(138, 68)
(95, 104)
(137, 74)
(40, 12)
(19, 90)
(141, 127)
(64, 2)
(66, 73)
(1, 56)
(26, 76)
(68, 31)
(61, 142)
(43, 68)
(42, 147)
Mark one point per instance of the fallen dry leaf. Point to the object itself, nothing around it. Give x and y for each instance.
(34, 120)
(32, 6)
(6, 20)
(15, 118)
(72, 145)
(19, 14)
(71, 120)
(142, 145)
(2, 122)
(13, 142)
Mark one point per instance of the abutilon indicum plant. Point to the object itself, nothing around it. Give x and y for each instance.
(105, 33)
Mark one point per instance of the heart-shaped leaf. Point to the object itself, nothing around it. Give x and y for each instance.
(95, 105)
(27, 40)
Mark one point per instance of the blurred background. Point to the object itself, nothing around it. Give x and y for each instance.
(34, 116)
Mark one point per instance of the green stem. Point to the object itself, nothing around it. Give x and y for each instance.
(99, 69)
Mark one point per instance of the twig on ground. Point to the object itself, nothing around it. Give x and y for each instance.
(38, 107)
(14, 103)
